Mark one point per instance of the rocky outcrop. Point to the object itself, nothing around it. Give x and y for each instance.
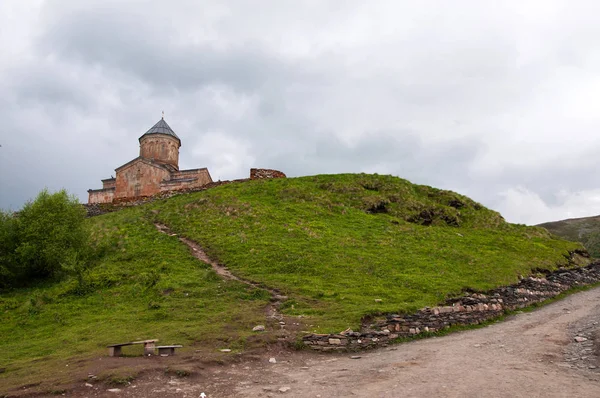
(472, 308)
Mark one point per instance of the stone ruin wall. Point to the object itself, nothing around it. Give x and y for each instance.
(470, 309)
(258, 174)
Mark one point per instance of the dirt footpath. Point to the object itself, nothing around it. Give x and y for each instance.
(529, 355)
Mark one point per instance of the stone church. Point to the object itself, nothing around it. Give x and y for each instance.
(155, 170)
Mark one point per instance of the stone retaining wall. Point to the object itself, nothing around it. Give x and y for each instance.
(96, 209)
(471, 308)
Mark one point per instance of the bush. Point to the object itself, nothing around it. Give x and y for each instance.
(43, 240)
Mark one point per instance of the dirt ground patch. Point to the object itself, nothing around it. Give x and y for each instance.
(530, 354)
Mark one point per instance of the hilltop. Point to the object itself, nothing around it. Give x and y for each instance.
(339, 248)
(585, 230)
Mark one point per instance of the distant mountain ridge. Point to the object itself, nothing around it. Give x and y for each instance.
(584, 229)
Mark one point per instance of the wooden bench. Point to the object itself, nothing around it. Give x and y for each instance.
(166, 350)
(114, 350)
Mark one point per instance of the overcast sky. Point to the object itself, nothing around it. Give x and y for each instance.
(497, 100)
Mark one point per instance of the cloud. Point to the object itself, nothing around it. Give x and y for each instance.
(496, 101)
(229, 156)
(523, 206)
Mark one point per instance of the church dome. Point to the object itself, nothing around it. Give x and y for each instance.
(161, 127)
(160, 144)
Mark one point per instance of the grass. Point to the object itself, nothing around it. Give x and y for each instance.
(145, 285)
(319, 240)
(332, 243)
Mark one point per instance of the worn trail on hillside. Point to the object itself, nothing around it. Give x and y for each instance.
(276, 297)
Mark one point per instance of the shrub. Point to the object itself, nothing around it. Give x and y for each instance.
(46, 238)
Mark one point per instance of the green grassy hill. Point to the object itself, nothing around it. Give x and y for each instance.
(339, 246)
(585, 230)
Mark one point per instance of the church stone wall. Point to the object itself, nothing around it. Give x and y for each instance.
(186, 179)
(139, 179)
(160, 148)
(155, 171)
(101, 195)
(109, 183)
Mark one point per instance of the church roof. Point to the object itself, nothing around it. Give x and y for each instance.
(161, 127)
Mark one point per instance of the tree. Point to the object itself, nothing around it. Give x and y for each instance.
(43, 239)
(8, 246)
